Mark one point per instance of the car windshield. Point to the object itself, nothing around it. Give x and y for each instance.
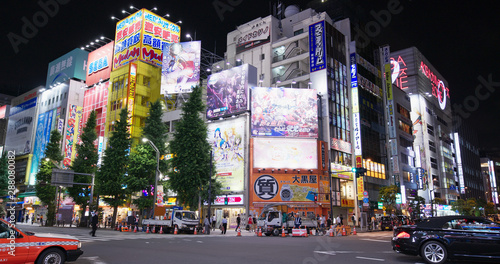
(473, 225)
(189, 216)
(263, 215)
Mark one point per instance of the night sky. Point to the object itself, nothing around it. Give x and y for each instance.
(460, 41)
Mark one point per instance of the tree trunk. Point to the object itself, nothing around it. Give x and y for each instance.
(115, 210)
(51, 214)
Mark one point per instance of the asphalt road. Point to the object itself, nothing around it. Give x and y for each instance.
(121, 247)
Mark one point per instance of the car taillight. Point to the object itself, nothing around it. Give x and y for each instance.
(403, 235)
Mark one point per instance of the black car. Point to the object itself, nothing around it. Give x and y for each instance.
(386, 223)
(449, 237)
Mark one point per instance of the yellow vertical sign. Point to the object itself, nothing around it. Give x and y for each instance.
(360, 185)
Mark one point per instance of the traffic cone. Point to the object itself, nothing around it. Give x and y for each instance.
(331, 231)
(161, 230)
(260, 232)
(175, 230)
(283, 231)
(130, 229)
(147, 229)
(354, 231)
(195, 231)
(153, 230)
(239, 232)
(343, 231)
(135, 229)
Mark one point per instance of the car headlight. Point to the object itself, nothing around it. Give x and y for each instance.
(79, 244)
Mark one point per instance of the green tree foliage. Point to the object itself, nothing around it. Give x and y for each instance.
(464, 207)
(387, 195)
(4, 175)
(110, 178)
(191, 159)
(85, 162)
(142, 169)
(45, 192)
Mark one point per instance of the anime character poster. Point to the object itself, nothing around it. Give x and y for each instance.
(180, 67)
(227, 139)
(227, 91)
(284, 112)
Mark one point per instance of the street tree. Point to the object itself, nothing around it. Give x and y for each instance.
(191, 153)
(142, 169)
(464, 207)
(387, 195)
(110, 179)
(85, 162)
(44, 191)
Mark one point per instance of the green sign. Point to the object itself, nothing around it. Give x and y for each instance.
(398, 198)
(380, 205)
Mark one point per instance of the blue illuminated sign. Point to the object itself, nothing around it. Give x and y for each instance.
(317, 47)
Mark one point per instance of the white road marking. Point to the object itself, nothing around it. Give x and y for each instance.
(332, 253)
(371, 258)
(376, 240)
(199, 241)
(94, 260)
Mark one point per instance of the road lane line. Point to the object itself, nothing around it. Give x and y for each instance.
(371, 258)
(375, 240)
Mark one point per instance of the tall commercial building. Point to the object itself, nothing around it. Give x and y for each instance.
(490, 171)
(432, 126)
(136, 73)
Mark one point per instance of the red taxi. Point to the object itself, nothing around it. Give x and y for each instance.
(17, 246)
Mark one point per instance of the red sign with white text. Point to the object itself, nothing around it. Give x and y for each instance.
(99, 64)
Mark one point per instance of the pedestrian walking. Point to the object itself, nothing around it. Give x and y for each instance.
(238, 222)
(322, 223)
(353, 218)
(341, 220)
(224, 225)
(207, 225)
(337, 220)
(254, 227)
(328, 223)
(94, 222)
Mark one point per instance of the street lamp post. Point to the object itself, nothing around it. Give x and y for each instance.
(210, 187)
(156, 172)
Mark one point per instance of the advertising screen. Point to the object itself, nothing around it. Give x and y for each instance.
(99, 64)
(284, 112)
(71, 135)
(285, 153)
(20, 127)
(291, 187)
(227, 139)
(227, 91)
(143, 36)
(181, 67)
(71, 65)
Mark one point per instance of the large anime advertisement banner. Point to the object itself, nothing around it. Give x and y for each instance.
(284, 112)
(227, 139)
(285, 153)
(43, 128)
(72, 133)
(20, 127)
(181, 67)
(227, 91)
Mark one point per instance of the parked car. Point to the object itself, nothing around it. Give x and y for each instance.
(386, 223)
(449, 237)
(27, 247)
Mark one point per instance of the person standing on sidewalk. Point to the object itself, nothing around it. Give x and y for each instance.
(207, 225)
(224, 225)
(214, 221)
(250, 223)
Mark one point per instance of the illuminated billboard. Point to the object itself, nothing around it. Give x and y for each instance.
(99, 64)
(227, 139)
(71, 65)
(291, 153)
(227, 91)
(71, 135)
(181, 67)
(259, 34)
(317, 47)
(20, 127)
(293, 187)
(143, 36)
(45, 124)
(284, 112)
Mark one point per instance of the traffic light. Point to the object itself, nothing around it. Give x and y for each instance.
(360, 171)
(315, 197)
(226, 200)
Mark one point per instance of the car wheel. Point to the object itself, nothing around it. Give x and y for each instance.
(434, 252)
(51, 255)
(276, 232)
